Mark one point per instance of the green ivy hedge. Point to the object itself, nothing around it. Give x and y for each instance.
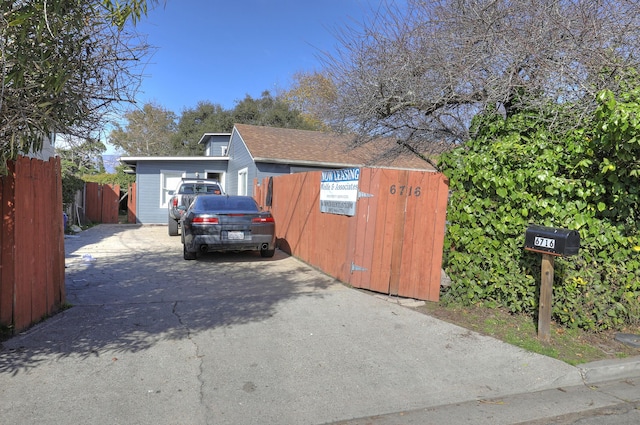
(516, 173)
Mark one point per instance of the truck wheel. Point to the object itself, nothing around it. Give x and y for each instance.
(188, 255)
(173, 227)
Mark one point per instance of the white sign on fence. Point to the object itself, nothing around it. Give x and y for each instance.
(339, 191)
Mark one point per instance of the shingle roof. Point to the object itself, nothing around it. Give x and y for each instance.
(270, 144)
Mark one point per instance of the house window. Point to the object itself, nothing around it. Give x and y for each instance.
(169, 180)
(223, 150)
(243, 179)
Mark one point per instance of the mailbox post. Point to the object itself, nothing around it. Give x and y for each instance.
(550, 242)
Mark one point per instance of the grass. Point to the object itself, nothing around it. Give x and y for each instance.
(573, 346)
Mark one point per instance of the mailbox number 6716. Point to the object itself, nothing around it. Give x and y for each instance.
(544, 242)
(404, 190)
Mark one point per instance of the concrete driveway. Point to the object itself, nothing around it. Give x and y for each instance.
(238, 339)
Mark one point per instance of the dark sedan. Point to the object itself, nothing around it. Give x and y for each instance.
(227, 223)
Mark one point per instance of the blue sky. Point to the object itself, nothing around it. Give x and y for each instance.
(221, 50)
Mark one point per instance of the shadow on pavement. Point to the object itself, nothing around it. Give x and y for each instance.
(129, 288)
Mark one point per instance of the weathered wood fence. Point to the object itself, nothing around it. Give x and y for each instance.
(131, 204)
(102, 202)
(392, 245)
(31, 243)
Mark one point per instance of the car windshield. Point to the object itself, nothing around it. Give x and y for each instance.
(225, 203)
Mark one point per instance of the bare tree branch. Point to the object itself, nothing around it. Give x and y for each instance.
(421, 73)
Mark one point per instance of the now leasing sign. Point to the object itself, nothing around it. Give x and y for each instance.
(339, 191)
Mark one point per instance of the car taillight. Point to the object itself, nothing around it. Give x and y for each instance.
(263, 220)
(174, 201)
(204, 220)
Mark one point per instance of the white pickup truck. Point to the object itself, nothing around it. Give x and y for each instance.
(184, 194)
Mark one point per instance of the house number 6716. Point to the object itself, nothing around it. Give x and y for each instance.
(404, 190)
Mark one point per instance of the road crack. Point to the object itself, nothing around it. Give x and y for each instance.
(198, 355)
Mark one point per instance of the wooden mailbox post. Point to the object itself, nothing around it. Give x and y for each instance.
(550, 242)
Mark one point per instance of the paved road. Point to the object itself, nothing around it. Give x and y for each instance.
(238, 339)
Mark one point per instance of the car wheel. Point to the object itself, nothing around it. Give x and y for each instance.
(188, 255)
(267, 253)
(173, 227)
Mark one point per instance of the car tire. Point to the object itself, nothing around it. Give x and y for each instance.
(188, 255)
(173, 227)
(267, 253)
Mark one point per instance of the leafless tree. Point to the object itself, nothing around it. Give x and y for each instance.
(421, 72)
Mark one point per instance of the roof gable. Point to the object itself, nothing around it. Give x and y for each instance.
(271, 144)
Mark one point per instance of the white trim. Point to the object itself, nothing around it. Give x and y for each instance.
(212, 134)
(172, 158)
(221, 180)
(168, 178)
(243, 181)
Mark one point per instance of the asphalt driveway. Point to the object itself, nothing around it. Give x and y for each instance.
(239, 339)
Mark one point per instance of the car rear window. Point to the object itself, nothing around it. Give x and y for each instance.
(224, 203)
(186, 189)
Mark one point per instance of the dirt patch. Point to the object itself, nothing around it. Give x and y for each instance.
(572, 346)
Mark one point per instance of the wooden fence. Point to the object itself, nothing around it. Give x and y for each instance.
(132, 217)
(102, 202)
(31, 242)
(394, 242)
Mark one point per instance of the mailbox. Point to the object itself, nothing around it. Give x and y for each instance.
(552, 241)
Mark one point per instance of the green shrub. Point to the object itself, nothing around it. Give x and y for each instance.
(70, 186)
(516, 172)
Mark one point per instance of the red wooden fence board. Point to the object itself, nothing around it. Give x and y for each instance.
(51, 243)
(24, 222)
(417, 277)
(93, 202)
(58, 267)
(39, 245)
(131, 204)
(392, 227)
(110, 203)
(7, 277)
(362, 237)
(383, 232)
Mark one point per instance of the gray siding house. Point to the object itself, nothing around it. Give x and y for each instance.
(251, 152)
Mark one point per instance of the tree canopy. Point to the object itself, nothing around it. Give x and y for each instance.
(422, 72)
(64, 64)
(148, 131)
(81, 157)
(313, 94)
(206, 117)
(270, 111)
(154, 130)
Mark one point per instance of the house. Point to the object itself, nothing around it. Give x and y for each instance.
(253, 152)
(46, 151)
